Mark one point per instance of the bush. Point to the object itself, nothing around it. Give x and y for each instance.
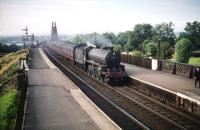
(183, 50)
(166, 50)
(137, 53)
(151, 49)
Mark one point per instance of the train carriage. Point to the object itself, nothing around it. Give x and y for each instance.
(68, 51)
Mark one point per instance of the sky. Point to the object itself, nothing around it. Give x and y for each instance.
(87, 16)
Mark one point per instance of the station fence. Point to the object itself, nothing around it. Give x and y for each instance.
(182, 69)
(177, 68)
(139, 61)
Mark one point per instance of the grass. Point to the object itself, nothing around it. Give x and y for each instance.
(194, 61)
(9, 96)
(8, 109)
(10, 59)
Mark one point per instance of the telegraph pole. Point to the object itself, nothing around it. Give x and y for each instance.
(25, 36)
(94, 38)
(32, 39)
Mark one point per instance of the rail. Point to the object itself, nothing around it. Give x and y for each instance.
(179, 118)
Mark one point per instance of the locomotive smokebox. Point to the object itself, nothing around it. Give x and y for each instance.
(107, 57)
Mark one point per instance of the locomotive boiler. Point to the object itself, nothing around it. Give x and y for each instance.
(107, 57)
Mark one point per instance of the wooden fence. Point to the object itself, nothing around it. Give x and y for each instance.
(139, 61)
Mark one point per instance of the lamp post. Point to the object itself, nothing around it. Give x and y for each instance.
(159, 48)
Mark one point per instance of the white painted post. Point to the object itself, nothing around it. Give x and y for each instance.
(154, 64)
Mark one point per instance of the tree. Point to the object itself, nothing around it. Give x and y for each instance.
(3, 48)
(151, 49)
(111, 36)
(193, 33)
(122, 38)
(140, 33)
(166, 50)
(78, 38)
(143, 31)
(145, 42)
(128, 48)
(183, 50)
(117, 48)
(164, 32)
(8, 48)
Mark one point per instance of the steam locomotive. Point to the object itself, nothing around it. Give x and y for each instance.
(103, 64)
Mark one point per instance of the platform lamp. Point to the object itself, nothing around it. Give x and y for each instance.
(159, 48)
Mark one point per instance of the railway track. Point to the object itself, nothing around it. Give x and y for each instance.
(175, 116)
(153, 114)
(122, 118)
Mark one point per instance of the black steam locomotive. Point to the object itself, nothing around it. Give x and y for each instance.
(100, 63)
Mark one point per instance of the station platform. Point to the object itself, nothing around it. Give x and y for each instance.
(175, 84)
(55, 103)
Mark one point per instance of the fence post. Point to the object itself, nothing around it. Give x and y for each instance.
(129, 59)
(174, 69)
(132, 60)
(160, 65)
(191, 73)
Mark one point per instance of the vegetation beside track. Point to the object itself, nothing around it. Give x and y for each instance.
(9, 92)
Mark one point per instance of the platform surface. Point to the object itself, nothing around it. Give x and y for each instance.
(36, 60)
(175, 83)
(55, 103)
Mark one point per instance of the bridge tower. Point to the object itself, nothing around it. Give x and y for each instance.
(54, 34)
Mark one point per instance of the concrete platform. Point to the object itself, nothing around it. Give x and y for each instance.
(178, 85)
(174, 83)
(55, 103)
(37, 61)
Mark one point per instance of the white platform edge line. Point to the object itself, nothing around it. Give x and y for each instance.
(46, 59)
(187, 97)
